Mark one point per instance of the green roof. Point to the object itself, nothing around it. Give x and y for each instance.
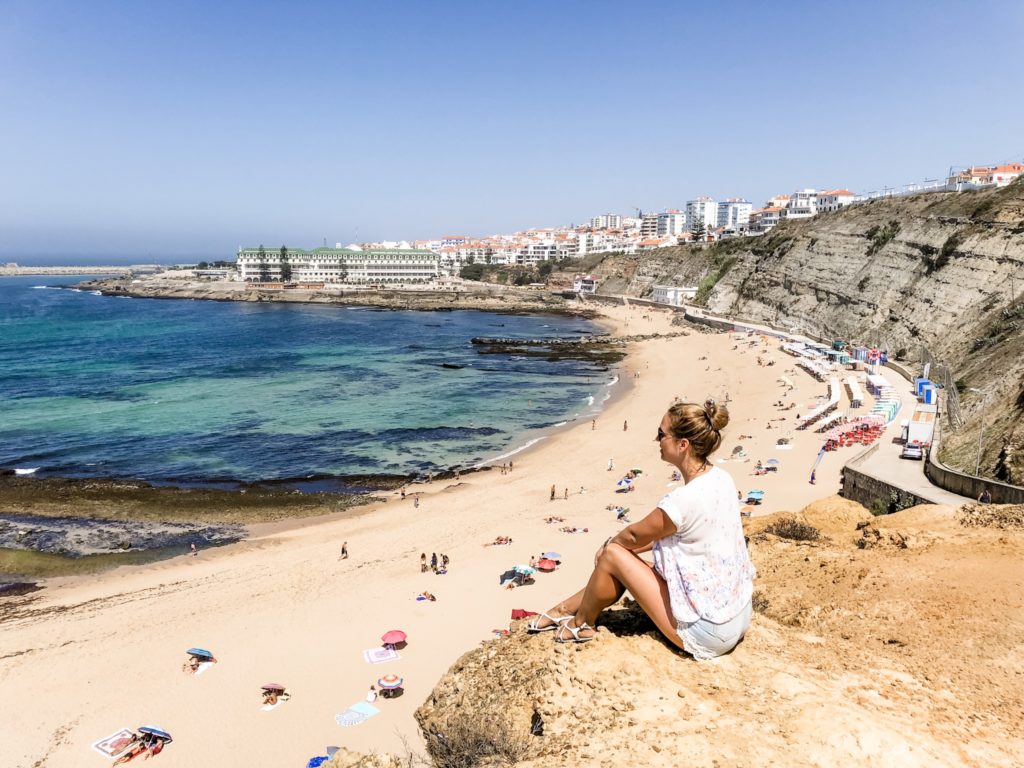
(340, 251)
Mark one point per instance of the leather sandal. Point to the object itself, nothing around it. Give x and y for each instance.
(533, 629)
(575, 632)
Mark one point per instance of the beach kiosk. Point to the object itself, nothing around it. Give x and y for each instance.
(929, 394)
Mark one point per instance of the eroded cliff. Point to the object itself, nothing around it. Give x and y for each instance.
(940, 272)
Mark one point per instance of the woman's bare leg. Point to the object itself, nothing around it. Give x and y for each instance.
(617, 570)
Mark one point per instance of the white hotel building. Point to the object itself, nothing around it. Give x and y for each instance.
(340, 265)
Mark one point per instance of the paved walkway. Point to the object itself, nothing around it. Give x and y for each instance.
(886, 464)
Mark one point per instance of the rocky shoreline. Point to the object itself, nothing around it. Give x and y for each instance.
(481, 297)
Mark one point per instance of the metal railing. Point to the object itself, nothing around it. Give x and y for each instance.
(942, 375)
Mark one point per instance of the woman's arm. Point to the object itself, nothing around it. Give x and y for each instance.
(640, 536)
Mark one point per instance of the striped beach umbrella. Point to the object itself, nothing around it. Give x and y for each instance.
(390, 682)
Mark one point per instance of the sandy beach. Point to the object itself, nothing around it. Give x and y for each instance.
(88, 656)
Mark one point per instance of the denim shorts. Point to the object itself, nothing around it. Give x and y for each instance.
(705, 639)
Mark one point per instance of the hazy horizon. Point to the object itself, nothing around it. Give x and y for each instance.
(179, 132)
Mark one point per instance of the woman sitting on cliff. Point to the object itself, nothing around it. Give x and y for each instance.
(698, 590)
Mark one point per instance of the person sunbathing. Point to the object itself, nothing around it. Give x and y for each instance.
(147, 744)
(273, 695)
(427, 596)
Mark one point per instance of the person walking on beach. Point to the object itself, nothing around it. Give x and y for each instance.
(444, 562)
(433, 561)
(423, 562)
(593, 424)
(344, 551)
(625, 426)
(193, 549)
(416, 501)
(403, 493)
(698, 591)
(611, 464)
(552, 492)
(566, 497)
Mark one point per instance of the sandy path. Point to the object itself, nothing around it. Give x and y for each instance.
(91, 656)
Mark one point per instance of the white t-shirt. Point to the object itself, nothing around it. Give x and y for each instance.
(705, 562)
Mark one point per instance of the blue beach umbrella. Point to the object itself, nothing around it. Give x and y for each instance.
(200, 652)
(772, 461)
(552, 556)
(160, 733)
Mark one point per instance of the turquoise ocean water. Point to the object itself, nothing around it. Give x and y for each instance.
(198, 392)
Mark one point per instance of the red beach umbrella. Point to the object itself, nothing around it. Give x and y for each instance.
(393, 636)
(546, 565)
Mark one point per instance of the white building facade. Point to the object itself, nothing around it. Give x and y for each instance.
(671, 222)
(734, 214)
(802, 205)
(834, 199)
(339, 265)
(703, 210)
(606, 221)
(673, 295)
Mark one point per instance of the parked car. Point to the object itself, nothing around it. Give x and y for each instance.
(912, 451)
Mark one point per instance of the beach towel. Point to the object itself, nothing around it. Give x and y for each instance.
(316, 762)
(349, 718)
(203, 667)
(380, 655)
(275, 705)
(520, 613)
(115, 743)
(364, 708)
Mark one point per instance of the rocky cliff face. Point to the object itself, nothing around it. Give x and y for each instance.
(884, 641)
(940, 271)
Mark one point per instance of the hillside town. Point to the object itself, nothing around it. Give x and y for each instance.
(701, 220)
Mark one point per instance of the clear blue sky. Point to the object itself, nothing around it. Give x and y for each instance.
(178, 130)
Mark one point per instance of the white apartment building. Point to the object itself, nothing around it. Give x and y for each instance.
(649, 225)
(834, 199)
(802, 205)
(779, 201)
(606, 221)
(452, 241)
(734, 213)
(339, 265)
(671, 222)
(673, 295)
(536, 252)
(764, 219)
(704, 210)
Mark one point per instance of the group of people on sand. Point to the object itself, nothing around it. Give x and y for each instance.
(698, 589)
(437, 566)
(554, 519)
(506, 468)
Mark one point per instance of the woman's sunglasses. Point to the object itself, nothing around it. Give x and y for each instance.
(661, 435)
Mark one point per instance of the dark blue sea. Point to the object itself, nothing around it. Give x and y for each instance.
(200, 392)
